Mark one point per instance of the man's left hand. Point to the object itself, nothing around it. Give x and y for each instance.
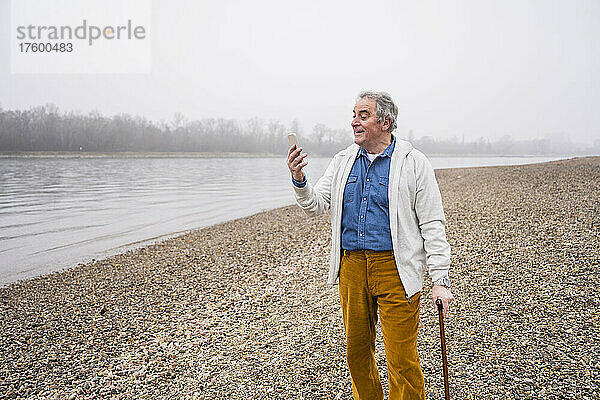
(444, 294)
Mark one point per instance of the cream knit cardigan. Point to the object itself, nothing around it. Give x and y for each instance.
(417, 218)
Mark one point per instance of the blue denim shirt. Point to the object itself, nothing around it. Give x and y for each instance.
(365, 214)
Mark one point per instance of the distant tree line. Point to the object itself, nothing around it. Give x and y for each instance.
(45, 128)
(506, 145)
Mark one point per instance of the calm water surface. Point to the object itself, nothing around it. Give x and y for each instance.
(57, 212)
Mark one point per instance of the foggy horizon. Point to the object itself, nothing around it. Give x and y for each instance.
(468, 69)
(46, 128)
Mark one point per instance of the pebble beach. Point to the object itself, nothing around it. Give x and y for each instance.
(242, 310)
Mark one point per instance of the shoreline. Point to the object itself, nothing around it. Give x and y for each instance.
(21, 271)
(141, 154)
(130, 154)
(241, 309)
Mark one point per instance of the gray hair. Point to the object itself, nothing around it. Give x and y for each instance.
(385, 107)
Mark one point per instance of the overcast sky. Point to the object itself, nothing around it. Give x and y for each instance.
(527, 69)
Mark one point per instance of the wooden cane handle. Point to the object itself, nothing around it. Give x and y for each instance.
(440, 305)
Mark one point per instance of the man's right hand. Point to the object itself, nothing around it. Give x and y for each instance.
(295, 162)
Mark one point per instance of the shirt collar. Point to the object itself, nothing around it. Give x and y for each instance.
(386, 153)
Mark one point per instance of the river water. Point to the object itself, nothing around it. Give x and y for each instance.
(56, 212)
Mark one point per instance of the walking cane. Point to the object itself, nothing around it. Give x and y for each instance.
(440, 307)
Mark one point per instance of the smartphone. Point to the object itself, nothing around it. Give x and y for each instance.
(293, 139)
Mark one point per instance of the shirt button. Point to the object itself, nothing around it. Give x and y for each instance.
(364, 198)
(361, 234)
(362, 216)
(368, 180)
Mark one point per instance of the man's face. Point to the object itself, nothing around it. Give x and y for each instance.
(367, 131)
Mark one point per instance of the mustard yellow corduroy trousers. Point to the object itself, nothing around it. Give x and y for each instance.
(369, 281)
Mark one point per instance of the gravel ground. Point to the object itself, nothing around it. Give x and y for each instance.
(241, 310)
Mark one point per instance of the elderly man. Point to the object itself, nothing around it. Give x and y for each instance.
(387, 225)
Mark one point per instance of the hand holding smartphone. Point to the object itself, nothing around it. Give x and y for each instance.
(295, 159)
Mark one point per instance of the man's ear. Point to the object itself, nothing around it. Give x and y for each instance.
(386, 123)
